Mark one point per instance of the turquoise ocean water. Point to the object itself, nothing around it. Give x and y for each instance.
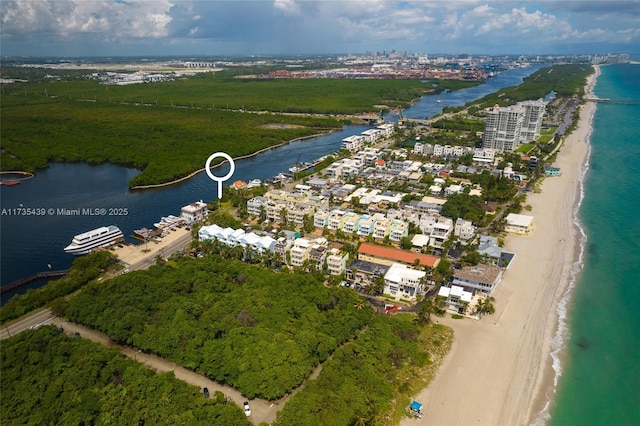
(599, 380)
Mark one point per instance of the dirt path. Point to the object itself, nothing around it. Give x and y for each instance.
(262, 410)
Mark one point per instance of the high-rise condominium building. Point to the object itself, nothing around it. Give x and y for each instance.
(507, 127)
(502, 128)
(532, 123)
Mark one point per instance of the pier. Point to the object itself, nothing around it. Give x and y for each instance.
(612, 101)
(33, 277)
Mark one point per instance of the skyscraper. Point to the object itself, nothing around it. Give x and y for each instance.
(507, 127)
(502, 128)
(532, 123)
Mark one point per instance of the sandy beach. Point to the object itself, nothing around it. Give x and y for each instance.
(499, 370)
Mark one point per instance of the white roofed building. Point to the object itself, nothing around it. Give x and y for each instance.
(402, 282)
(464, 229)
(194, 212)
(336, 261)
(519, 223)
(456, 297)
(352, 143)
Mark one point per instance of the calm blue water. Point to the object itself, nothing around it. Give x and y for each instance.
(30, 243)
(600, 382)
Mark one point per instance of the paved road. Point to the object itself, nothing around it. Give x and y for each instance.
(33, 320)
(178, 245)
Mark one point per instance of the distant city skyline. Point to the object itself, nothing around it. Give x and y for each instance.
(281, 27)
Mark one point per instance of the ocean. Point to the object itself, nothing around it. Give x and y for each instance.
(599, 369)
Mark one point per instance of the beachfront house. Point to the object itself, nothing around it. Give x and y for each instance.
(402, 282)
(519, 223)
(456, 298)
(479, 278)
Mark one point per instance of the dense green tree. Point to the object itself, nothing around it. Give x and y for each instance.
(214, 315)
(365, 378)
(49, 377)
(83, 269)
(466, 206)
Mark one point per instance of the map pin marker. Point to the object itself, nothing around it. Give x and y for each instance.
(232, 168)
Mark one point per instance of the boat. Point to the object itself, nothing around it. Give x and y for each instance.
(12, 182)
(146, 234)
(86, 242)
(300, 167)
(169, 221)
(142, 233)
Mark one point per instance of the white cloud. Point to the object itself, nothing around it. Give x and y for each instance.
(64, 18)
(296, 26)
(289, 7)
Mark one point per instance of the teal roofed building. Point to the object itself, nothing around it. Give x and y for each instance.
(551, 171)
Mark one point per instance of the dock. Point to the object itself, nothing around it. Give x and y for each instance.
(37, 276)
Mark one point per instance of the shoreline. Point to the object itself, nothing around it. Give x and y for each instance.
(242, 157)
(501, 370)
(552, 371)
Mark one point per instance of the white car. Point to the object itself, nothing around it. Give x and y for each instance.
(247, 409)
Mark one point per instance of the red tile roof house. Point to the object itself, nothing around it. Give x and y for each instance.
(388, 255)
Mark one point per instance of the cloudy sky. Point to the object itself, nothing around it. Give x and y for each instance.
(218, 27)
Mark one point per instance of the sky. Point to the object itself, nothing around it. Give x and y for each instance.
(286, 27)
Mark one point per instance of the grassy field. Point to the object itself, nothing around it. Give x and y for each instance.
(169, 129)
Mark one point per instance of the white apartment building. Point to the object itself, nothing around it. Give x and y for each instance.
(371, 135)
(194, 212)
(479, 278)
(502, 128)
(381, 228)
(320, 218)
(456, 298)
(398, 229)
(484, 155)
(438, 228)
(336, 261)
(423, 148)
(334, 221)
(256, 205)
(299, 251)
(281, 247)
(533, 114)
(343, 168)
(367, 224)
(464, 229)
(368, 155)
(441, 231)
(352, 143)
(459, 151)
(386, 129)
(402, 282)
(350, 222)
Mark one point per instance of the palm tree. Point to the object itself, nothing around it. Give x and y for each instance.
(485, 306)
(283, 215)
(424, 312)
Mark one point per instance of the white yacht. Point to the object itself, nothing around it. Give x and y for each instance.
(101, 237)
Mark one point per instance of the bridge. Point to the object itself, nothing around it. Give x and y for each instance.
(33, 277)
